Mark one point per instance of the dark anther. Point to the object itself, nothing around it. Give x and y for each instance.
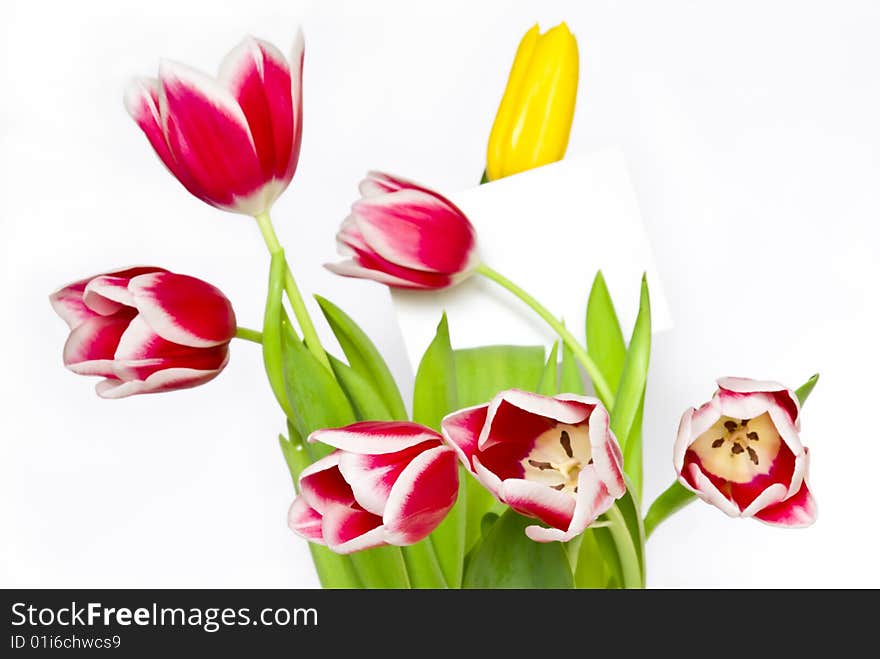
(565, 440)
(737, 448)
(744, 423)
(730, 425)
(753, 436)
(558, 487)
(752, 455)
(540, 465)
(590, 462)
(718, 442)
(575, 489)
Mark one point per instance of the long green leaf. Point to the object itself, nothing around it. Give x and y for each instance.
(632, 454)
(803, 392)
(273, 342)
(570, 380)
(434, 396)
(506, 558)
(364, 357)
(604, 336)
(596, 562)
(633, 378)
(674, 498)
(368, 405)
(548, 385)
(481, 373)
(435, 393)
(629, 507)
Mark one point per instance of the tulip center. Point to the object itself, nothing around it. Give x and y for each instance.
(737, 450)
(558, 456)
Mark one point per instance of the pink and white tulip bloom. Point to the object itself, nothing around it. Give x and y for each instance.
(388, 483)
(741, 452)
(552, 458)
(406, 236)
(145, 330)
(232, 141)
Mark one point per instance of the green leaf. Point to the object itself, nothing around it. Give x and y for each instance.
(273, 342)
(488, 522)
(364, 358)
(634, 376)
(365, 400)
(436, 390)
(604, 336)
(803, 392)
(434, 396)
(632, 453)
(295, 456)
(592, 567)
(570, 381)
(483, 372)
(629, 508)
(506, 558)
(548, 385)
(673, 499)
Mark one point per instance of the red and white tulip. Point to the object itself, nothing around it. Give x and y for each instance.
(232, 141)
(388, 482)
(551, 458)
(145, 330)
(742, 453)
(406, 236)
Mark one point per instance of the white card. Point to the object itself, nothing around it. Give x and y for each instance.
(549, 230)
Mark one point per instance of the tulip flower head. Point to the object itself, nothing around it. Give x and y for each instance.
(552, 458)
(387, 483)
(406, 236)
(145, 330)
(741, 452)
(232, 141)
(534, 118)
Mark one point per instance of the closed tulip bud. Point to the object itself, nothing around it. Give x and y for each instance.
(534, 118)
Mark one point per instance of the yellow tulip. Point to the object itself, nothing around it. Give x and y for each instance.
(534, 118)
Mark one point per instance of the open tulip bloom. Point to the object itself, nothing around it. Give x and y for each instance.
(507, 472)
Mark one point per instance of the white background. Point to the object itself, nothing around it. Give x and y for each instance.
(752, 134)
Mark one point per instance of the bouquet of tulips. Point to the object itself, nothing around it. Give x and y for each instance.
(506, 472)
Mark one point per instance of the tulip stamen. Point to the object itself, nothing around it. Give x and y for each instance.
(753, 456)
(753, 436)
(718, 443)
(737, 448)
(565, 440)
(730, 425)
(540, 465)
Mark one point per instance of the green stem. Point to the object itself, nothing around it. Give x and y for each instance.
(293, 295)
(422, 565)
(673, 499)
(249, 334)
(626, 551)
(599, 382)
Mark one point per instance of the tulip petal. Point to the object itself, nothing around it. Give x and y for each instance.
(540, 501)
(208, 134)
(183, 309)
(488, 479)
(795, 512)
(461, 430)
(784, 396)
(694, 422)
(258, 77)
(372, 477)
(377, 183)
(422, 496)
(417, 229)
(106, 295)
(297, 56)
(305, 521)
(68, 303)
(592, 500)
(695, 480)
(322, 484)
(375, 437)
(346, 530)
(169, 379)
(772, 494)
(525, 415)
(142, 103)
(91, 346)
(607, 458)
(366, 267)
